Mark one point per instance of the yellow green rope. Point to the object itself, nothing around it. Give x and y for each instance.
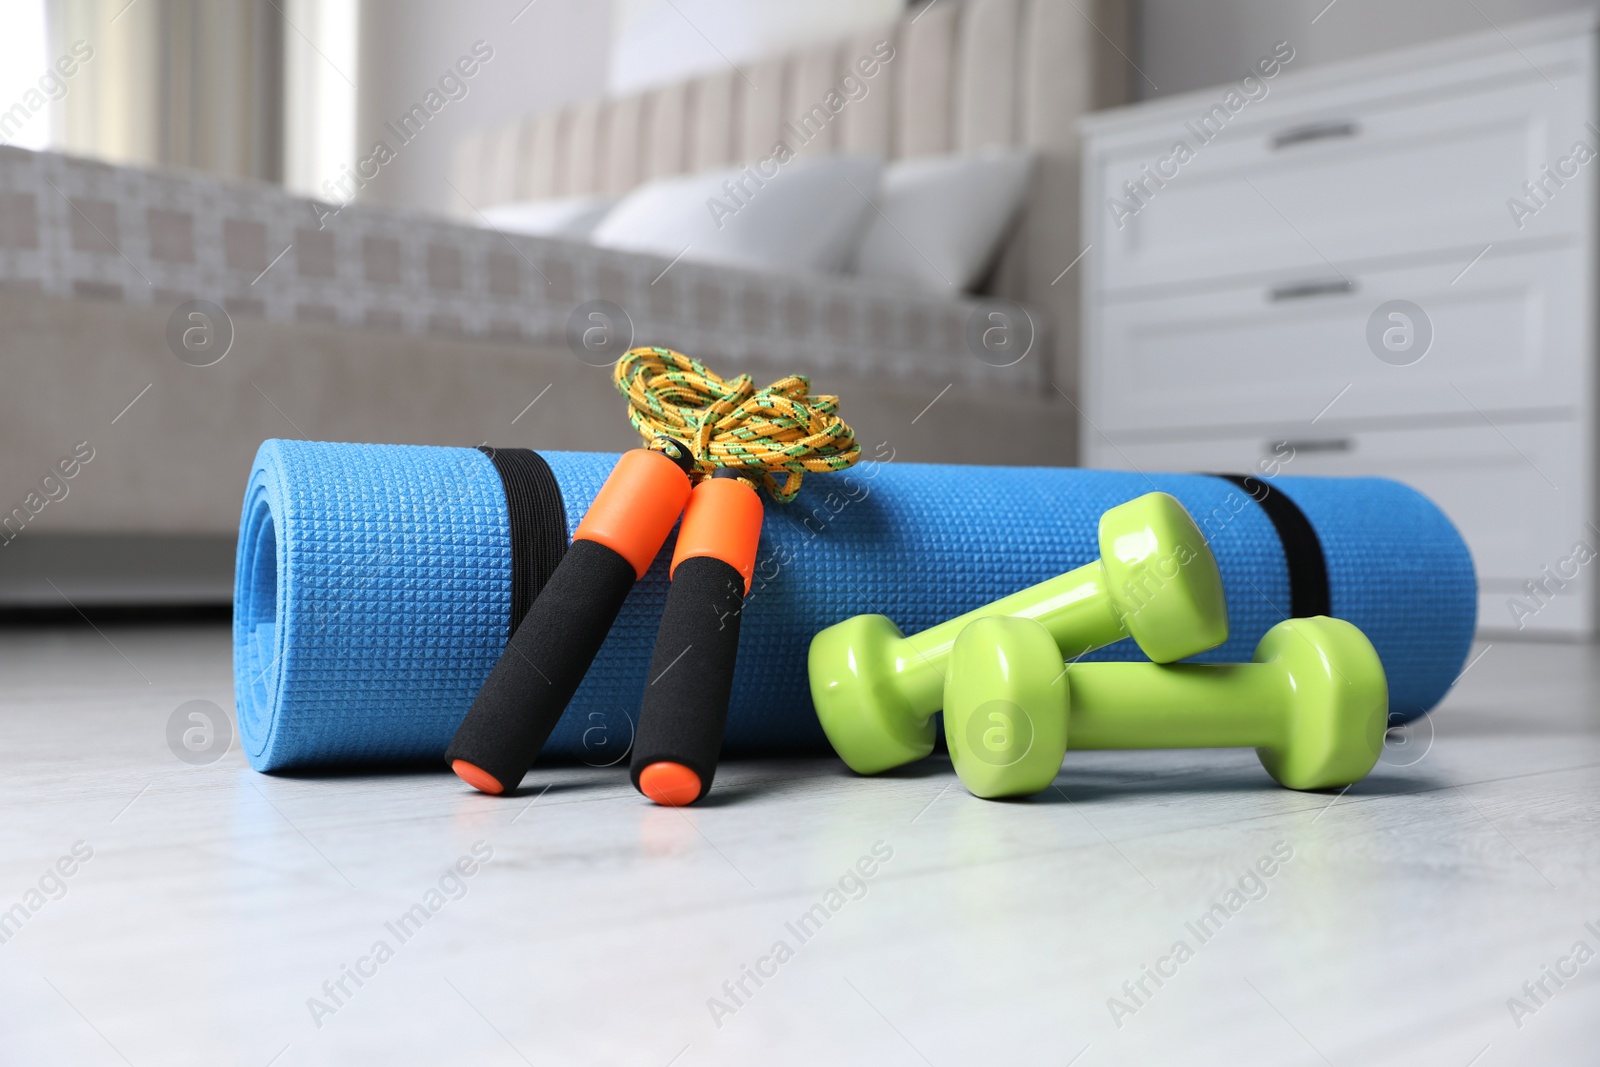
(729, 423)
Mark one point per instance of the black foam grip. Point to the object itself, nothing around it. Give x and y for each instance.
(691, 673)
(546, 658)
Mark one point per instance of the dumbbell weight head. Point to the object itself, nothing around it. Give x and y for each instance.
(875, 690)
(1162, 579)
(868, 716)
(1340, 698)
(1313, 703)
(1006, 712)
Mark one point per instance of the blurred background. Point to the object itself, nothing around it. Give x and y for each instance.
(283, 92)
(1323, 238)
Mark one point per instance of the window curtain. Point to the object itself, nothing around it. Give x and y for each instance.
(174, 83)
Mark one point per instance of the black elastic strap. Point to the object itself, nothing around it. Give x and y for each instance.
(538, 520)
(1308, 568)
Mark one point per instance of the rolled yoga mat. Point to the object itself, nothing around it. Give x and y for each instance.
(375, 583)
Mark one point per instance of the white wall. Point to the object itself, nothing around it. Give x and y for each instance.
(1194, 44)
(660, 41)
(546, 53)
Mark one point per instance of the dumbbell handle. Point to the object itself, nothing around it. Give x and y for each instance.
(1184, 705)
(1076, 607)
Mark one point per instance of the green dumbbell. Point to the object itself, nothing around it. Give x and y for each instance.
(1314, 705)
(876, 690)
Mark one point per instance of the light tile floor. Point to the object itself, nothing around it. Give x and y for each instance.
(221, 911)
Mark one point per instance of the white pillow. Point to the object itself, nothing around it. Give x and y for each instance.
(942, 217)
(803, 215)
(569, 216)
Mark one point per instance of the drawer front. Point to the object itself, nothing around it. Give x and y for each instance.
(1519, 496)
(1509, 335)
(1289, 186)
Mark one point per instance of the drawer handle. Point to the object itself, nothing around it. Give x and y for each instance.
(1316, 131)
(1324, 444)
(1302, 290)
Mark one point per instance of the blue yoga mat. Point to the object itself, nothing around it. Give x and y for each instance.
(373, 587)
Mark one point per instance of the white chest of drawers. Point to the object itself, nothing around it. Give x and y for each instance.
(1243, 295)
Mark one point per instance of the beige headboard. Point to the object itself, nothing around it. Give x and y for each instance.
(964, 75)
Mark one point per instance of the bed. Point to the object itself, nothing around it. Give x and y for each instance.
(383, 325)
